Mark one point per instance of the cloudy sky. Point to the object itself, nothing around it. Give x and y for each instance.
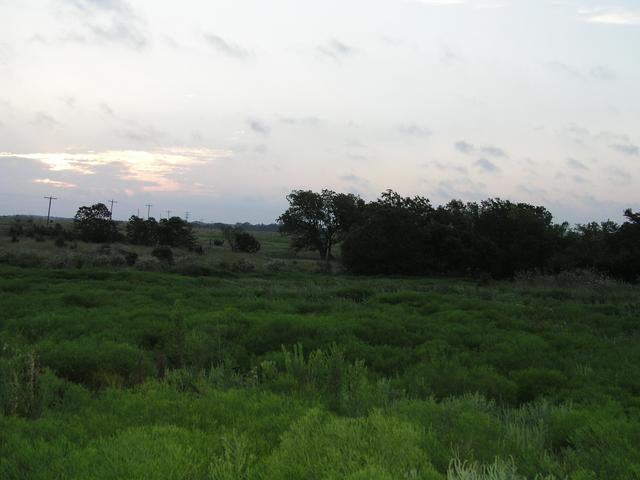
(220, 108)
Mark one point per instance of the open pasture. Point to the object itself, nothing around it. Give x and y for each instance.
(128, 374)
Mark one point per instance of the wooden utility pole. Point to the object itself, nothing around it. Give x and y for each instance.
(49, 211)
(111, 211)
(148, 210)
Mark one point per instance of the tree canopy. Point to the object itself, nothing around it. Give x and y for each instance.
(408, 235)
(94, 224)
(317, 221)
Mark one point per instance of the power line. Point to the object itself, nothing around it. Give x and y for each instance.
(111, 210)
(49, 211)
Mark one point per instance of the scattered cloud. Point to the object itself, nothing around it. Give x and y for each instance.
(461, 187)
(611, 15)
(143, 134)
(351, 178)
(446, 166)
(470, 149)
(45, 120)
(580, 179)
(69, 100)
(259, 127)
(600, 72)
(486, 165)
(494, 151)
(414, 130)
(449, 57)
(54, 183)
(626, 148)
(227, 48)
(464, 147)
(337, 50)
(576, 164)
(619, 177)
(106, 109)
(309, 121)
(595, 72)
(152, 170)
(107, 21)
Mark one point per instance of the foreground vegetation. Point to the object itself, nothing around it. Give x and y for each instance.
(130, 374)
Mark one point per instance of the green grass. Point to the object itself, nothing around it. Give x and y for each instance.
(118, 373)
(274, 255)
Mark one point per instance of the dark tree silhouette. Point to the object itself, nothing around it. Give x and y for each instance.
(94, 224)
(317, 221)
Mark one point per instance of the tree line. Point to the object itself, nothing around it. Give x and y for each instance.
(408, 235)
(94, 224)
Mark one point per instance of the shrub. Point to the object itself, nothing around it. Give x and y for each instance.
(163, 253)
(321, 446)
(130, 257)
(275, 266)
(245, 242)
(150, 264)
(26, 389)
(158, 452)
(242, 266)
(191, 268)
(97, 364)
(240, 241)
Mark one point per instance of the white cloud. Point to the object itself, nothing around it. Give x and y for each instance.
(611, 15)
(54, 183)
(155, 170)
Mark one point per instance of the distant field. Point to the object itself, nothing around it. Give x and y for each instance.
(274, 253)
(116, 373)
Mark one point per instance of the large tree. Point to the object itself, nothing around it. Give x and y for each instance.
(317, 221)
(94, 224)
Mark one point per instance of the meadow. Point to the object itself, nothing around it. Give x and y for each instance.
(111, 371)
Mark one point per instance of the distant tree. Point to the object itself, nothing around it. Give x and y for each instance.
(94, 224)
(512, 237)
(239, 240)
(390, 237)
(632, 217)
(175, 232)
(245, 242)
(625, 248)
(317, 221)
(142, 232)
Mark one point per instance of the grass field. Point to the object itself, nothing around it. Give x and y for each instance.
(118, 373)
(274, 255)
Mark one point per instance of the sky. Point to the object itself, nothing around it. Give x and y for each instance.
(220, 108)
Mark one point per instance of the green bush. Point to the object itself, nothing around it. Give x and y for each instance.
(321, 446)
(163, 253)
(97, 364)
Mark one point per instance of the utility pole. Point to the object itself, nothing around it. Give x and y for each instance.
(49, 211)
(168, 214)
(111, 211)
(186, 216)
(148, 210)
(138, 212)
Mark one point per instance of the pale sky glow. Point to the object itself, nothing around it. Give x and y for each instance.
(221, 108)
